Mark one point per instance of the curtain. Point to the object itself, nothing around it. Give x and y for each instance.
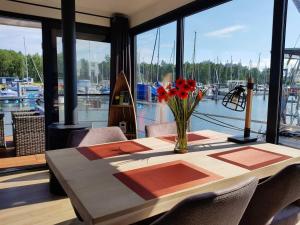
(120, 49)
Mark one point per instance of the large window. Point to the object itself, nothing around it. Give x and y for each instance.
(222, 47)
(290, 100)
(21, 68)
(93, 74)
(155, 67)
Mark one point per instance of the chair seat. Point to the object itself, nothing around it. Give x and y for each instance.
(288, 216)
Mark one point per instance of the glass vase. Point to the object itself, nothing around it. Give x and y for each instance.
(181, 145)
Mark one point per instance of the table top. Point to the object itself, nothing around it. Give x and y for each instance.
(140, 178)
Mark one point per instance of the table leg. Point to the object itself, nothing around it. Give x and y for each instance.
(54, 185)
(77, 214)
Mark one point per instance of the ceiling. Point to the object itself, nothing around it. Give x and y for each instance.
(103, 7)
(20, 23)
(138, 11)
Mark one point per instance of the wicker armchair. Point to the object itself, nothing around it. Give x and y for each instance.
(29, 133)
(2, 137)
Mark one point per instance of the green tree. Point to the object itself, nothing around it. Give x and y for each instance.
(35, 67)
(84, 70)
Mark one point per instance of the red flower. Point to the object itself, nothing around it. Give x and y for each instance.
(192, 84)
(161, 90)
(163, 97)
(172, 92)
(186, 87)
(169, 86)
(182, 94)
(180, 82)
(200, 95)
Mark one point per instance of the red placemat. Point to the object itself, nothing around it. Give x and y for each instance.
(155, 181)
(249, 157)
(191, 137)
(112, 149)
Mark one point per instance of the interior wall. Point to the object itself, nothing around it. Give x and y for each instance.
(49, 13)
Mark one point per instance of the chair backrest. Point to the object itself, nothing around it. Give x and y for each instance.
(94, 136)
(29, 134)
(273, 195)
(29, 123)
(160, 129)
(224, 207)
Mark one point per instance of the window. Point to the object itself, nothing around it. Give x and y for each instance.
(21, 68)
(155, 66)
(222, 47)
(93, 81)
(290, 99)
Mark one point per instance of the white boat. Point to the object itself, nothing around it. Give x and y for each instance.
(8, 93)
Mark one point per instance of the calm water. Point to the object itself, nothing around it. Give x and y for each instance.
(95, 109)
(150, 113)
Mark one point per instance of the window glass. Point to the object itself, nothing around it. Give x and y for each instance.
(223, 46)
(155, 66)
(93, 81)
(21, 68)
(290, 99)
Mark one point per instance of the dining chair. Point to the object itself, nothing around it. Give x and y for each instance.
(274, 201)
(224, 207)
(94, 136)
(160, 129)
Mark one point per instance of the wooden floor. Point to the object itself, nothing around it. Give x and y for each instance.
(25, 200)
(9, 161)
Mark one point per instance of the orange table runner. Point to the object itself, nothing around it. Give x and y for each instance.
(112, 149)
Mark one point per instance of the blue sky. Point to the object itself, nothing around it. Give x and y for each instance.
(241, 29)
(12, 38)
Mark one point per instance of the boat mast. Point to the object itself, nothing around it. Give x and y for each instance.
(151, 64)
(158, 50)
(265, 82)
(172, 60)
(239, 68)
(226, 71)
(231, 71)
(26, 63)
(258, 64)
(193, 56)
(39, 75)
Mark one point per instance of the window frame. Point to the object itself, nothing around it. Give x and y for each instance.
(277, 49)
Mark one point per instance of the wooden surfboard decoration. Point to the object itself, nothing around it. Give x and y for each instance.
(122, 109)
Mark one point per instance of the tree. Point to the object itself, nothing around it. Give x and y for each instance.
(35, 67)
(60, 65)
(84, 70)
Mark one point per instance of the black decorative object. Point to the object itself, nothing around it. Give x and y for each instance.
(237, 100)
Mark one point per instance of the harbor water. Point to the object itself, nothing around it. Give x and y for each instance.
(94, 109)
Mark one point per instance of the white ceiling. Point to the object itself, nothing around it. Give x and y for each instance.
(103, 7)
(138, 11)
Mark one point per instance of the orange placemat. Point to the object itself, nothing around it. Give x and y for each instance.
(112, 149)
(158, 180)
(191, 137)
(250, 158)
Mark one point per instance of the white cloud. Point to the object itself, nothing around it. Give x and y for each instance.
(225, 32)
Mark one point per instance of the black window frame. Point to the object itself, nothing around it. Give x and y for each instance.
(277, 49)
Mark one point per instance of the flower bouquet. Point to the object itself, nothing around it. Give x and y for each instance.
(182, 99)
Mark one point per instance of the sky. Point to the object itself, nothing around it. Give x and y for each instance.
(240, 29)
(12, 38)
(90, 50)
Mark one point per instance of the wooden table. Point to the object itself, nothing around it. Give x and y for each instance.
(101, 192)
